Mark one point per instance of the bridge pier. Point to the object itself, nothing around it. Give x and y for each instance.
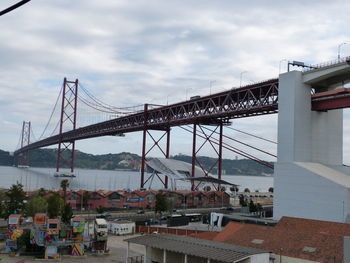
(155, 144)
(310, 180)
(208, 137)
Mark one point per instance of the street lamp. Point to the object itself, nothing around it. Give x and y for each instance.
(279, 67)
(187, 92)
(210, 84)
(339, 46)
(240, 78)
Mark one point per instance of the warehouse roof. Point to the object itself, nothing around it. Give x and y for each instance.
(208, 179)
(197, 247)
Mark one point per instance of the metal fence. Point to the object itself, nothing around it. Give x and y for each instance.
(135, 259)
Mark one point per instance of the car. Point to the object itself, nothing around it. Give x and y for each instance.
(140, 212)
(152, 221)
(104, 215)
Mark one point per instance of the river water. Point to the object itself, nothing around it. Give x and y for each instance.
(34, 178)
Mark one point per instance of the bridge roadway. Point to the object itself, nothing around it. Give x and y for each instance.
(251, 100)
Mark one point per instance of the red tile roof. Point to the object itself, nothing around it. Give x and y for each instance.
(314, 226)
(119, 192)
(315, 240)
(230, 229)
(144, 193)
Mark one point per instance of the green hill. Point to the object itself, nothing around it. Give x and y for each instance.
(125, 160)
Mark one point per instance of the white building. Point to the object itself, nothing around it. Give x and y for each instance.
(121, 227)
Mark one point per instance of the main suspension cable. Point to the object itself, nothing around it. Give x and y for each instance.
(106, 105)
(52, 112)
(258, 137)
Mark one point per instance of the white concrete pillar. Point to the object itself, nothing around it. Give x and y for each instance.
(164, 256)
(305, 135)
(309, 154)
(145, 258)
(185, 258)
(208, 260)
(294, 118)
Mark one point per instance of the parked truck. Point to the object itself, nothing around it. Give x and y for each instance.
(101, 230)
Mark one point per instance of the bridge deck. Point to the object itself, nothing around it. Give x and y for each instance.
(251, 100)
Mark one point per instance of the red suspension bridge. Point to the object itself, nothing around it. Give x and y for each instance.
(215, 110)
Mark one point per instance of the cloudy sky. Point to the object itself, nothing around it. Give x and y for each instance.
(150, 51)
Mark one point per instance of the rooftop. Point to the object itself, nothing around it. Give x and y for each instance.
(315, 240)
(197, 247)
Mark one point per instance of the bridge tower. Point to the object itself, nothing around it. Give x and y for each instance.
(310, 180)
(68, 120)
(23, 158)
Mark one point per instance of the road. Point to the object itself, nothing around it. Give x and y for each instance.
(150, 214)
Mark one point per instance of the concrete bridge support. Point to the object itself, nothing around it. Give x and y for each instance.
(310, 179)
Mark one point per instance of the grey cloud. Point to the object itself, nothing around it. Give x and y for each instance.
(132, 52)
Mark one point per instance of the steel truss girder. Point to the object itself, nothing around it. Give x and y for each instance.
(251, 100)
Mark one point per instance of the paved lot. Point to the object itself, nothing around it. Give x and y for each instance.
(117, 253)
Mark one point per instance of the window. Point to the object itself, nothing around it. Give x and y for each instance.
(114, 196)
(53, 226)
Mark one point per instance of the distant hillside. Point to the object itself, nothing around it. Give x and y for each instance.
(243, 166)
(47, 158)
(5, 158)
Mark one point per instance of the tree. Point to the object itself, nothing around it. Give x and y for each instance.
(64, 186)
(207, 188)
(247, 190)
(234, 188)
(100, 209)
(16, 197)
(161, 203)
(42, 192)
(252, 206)
(36, 205)
(242, 200)
(271, 189)
(67, 214)
(85, 198)
(55, 205)
(223, 189)
(259, 207)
